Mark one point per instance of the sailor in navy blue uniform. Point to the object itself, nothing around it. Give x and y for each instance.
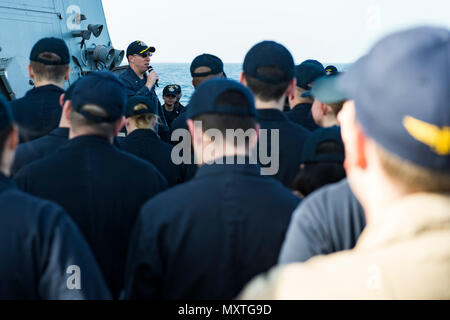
(171, 107)
(39, 148)
(204, 67)
(43, 254)
(138, 83)
(269, 74)
(306, 73)
(38, 112)
(101, 187)
(142, 141)
(227, 223)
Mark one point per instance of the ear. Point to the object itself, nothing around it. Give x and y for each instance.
(66, 76)
(154, 121)
(66, 110)
(254, 138)
(353, 137)
(195, 131)
(61, 100)
(30, 72)
(119, 125)
(290, 91)
(13, 139)
(242, 79)
(324, 108)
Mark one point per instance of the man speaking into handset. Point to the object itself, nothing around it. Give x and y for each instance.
(140, 83)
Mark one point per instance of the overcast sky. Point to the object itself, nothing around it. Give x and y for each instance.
(337, 31)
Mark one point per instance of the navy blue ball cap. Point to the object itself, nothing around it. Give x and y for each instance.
(331, 70)
(102, 89)
(325, 90)
(171, 89)
(206, 60)
(53, 45)
(149, 106)
(307, 72)
(6, 116)
(269, 54)
(205, 99)
(138, 47)
(401, 94)
(311, 149)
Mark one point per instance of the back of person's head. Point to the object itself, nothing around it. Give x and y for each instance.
(405, 120)
(98, 104)
(206, 66)
(49, 60)
(223, 105)
(322, 161)
(8, 136)
(141, 113)
(268, 70)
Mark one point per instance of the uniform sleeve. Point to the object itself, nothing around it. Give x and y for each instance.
(143, 276)
(307, 235)
(67, 267)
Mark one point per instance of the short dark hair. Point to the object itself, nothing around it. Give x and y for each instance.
(53, 73)
(267, 91)
(4, 133)
(315, 175)
(222, 122)
(105, 129)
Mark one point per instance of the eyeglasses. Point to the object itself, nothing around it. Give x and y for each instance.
(145, 54)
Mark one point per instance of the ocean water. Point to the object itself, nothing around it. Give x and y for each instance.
(178, 73)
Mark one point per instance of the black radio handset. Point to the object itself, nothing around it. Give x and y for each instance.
(150, 68)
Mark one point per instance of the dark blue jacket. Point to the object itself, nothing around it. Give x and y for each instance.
(39, 148)
(38, 244)
(226, 226)
(301, 115)
(180, 121)
(329, 220)
(291, 140)
(38, 112)
(145, 144)
(172, 115)
(135, 86)
(102, 189)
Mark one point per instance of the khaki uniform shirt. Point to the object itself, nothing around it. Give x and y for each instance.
(404, 253)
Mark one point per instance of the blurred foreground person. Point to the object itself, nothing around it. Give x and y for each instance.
(227, 223)
(101, 187)
(43, 254)
(38, 112)
(398, 164)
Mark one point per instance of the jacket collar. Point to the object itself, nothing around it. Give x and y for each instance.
(220, 169)
(271, 115)
(406, 218)
(47, 88)
(143, 133)
(134, 76)
(86, 140)
(303, 106)
(60, 132)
